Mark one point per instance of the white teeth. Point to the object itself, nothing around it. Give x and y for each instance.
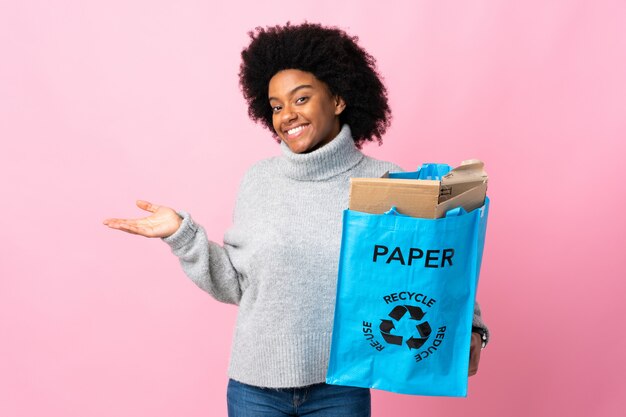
(295, 130)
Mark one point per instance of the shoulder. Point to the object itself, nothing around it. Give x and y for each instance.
(372, 167)
(254, 185)
(262, 166)
(259, 171)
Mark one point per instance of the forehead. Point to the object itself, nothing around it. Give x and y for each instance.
(283, 82)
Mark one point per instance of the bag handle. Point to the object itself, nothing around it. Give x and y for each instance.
(457, 211)
(394, 212)
(428, 171)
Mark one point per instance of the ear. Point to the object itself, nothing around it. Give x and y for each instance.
(340, 105)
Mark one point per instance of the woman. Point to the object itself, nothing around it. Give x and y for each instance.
(320, 95)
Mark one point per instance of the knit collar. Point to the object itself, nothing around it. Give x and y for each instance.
(337, 156)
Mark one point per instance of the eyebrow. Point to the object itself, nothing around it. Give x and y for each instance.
(294, 90)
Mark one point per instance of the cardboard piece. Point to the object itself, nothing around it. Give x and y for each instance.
(464, 186)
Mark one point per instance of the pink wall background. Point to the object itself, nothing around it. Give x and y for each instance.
(103, 103)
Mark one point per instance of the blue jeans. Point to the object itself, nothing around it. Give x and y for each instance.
(319, 400)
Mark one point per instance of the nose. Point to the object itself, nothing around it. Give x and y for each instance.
(288, 114)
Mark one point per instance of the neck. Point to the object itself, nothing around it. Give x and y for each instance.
(335, 157)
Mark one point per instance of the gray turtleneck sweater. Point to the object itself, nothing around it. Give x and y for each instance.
(279, 260)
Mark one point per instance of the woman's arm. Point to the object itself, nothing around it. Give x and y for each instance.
(206, 263)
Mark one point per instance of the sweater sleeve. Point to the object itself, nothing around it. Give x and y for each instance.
(206, 263)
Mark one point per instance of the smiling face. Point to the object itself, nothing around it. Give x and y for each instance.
(305, 114)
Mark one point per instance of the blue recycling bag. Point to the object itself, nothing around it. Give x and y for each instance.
(428, 171)
(405, 301)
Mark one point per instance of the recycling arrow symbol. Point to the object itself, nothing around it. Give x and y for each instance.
(397, 314)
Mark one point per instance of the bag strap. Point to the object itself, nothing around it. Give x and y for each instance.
(457, 211)
(394, 212)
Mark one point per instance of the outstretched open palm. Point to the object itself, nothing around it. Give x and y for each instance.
(163, 221)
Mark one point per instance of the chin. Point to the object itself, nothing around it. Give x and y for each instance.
(298, 146)
(298, 149)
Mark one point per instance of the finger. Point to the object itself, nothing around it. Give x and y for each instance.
(113, 220)
(109, 222)
(473, 366)
(117, 222)
(136, 230)
(128, 226)
(474, 359)
(146, 205)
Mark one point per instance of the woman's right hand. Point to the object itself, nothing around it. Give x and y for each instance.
(163, 221)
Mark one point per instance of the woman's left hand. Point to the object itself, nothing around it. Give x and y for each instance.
(475, 348)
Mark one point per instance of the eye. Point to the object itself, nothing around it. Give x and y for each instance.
(302, 100)
(275, 109)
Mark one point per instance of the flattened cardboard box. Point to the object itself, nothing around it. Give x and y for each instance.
(464, 186)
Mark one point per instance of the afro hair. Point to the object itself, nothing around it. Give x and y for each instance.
(333, 57)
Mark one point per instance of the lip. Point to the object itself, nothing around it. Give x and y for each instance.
(298, 133)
